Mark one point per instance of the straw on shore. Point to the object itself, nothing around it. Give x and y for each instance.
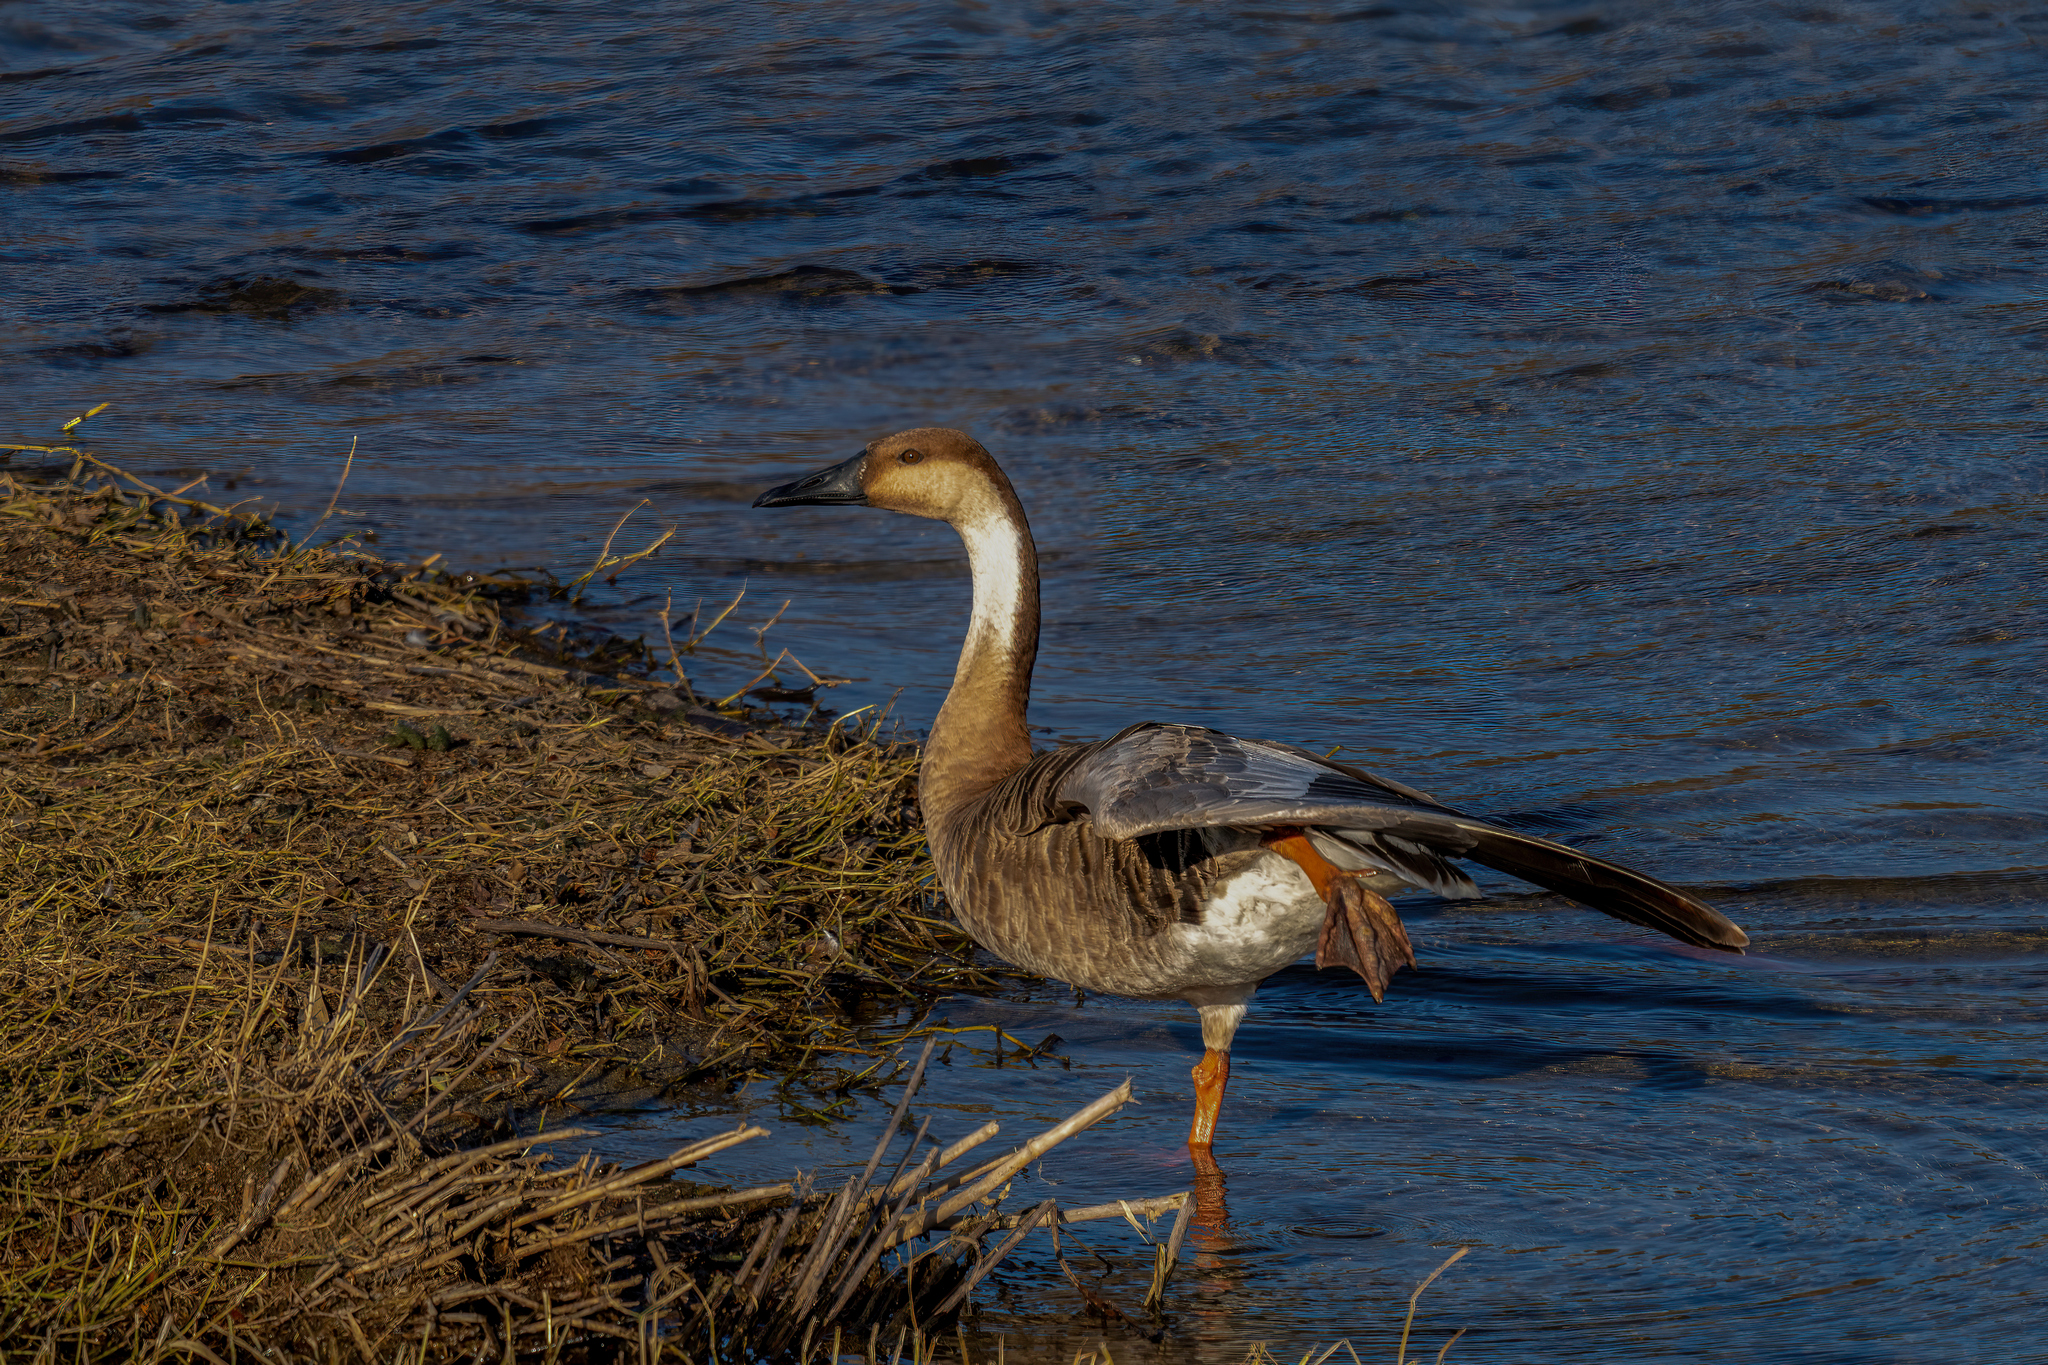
(324, 881)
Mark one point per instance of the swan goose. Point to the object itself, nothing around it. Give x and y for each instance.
(1171, 861)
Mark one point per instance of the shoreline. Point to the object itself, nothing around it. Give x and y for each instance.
(329, 883)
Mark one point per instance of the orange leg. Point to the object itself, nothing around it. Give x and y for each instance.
(1294, 846)
(1361, 930)
(1211, 1076)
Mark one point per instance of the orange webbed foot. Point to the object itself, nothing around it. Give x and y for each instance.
(1361, 930)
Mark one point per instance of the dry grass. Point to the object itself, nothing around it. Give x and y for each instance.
(1262, 1354)
(211, 739)
(323, 884)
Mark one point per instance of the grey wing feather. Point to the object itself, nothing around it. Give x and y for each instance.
(1158, 777)
(1152, 777)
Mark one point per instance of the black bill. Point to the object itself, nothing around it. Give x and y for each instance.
(838, 486)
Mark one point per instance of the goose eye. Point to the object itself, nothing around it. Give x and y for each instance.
(910, 457)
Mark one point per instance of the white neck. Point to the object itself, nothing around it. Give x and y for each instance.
(995, 556)
(980, 735)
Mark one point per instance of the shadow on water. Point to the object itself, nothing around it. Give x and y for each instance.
(1629, 421)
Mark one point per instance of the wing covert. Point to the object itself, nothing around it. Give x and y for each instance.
(1155, 777)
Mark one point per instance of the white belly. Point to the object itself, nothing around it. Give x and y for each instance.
(1252, 925)
(1257, 922)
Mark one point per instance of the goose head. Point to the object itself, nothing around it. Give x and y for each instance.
(979, 734)
(927, 472)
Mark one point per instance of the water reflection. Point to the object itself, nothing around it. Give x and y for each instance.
(1212, 1213)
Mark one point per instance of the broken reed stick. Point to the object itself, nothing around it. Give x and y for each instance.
(863, 1258)
(1168, 1256)
(661, 1215)
(946, 1158)
(258, 1210)
(864, 1255)
(864, 1218)
(1090, 1213)
(1002, 1169)
(896, 1116)
(1401, 1358)
(653, 1170)
(1046, 1209)
(813, 1277)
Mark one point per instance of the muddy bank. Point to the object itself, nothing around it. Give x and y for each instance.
(327, 881)
(220, 743)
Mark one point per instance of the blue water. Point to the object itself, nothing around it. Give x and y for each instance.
(1622, 418)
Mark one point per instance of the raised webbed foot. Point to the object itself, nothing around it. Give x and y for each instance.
(1361, 930)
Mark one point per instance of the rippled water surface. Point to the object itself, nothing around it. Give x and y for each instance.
(1623, 419)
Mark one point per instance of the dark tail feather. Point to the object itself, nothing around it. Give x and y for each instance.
(1606, 887)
